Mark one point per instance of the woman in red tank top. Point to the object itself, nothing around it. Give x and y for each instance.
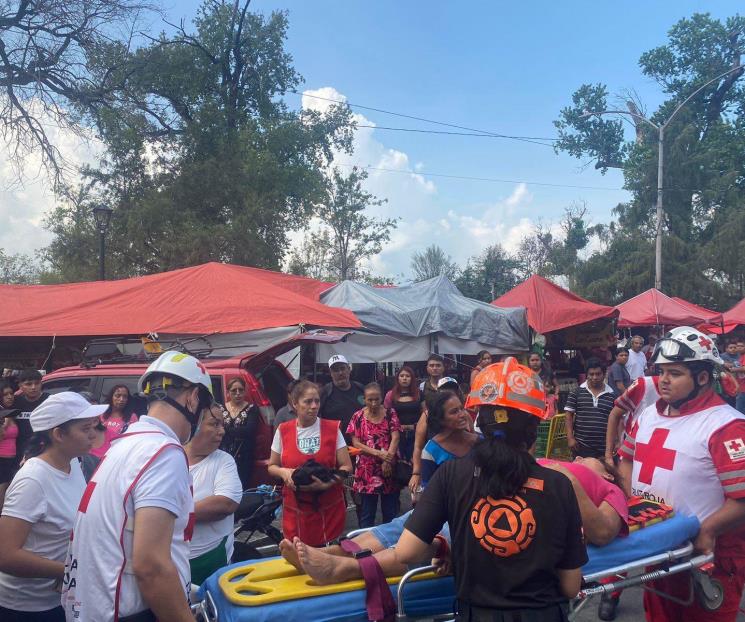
(315, 513)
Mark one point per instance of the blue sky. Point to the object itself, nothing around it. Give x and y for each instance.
(496, 66)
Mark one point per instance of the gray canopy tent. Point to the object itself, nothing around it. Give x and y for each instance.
(407, 323)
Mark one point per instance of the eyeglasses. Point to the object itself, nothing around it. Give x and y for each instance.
(237, 391)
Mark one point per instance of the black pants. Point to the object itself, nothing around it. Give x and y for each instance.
(50, 615)
(470, 613)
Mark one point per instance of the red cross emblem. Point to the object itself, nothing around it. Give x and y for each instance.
(704, 343)
(653, 455)
(734, 445)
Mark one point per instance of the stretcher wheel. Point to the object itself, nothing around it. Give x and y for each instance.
(711, 596)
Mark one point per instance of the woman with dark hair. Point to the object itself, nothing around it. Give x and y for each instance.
(40, 508)
(451, 425)
(7, 396)
(314, 512)
(241, 425)
(515, 526)
(404, 399)
(375, 432)
(119, 413)
(483, 360)
(8, 439)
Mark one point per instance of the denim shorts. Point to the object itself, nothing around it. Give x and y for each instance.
(389, 533)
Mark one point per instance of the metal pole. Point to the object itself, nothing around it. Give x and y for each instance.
(658, 238)
(101, 251)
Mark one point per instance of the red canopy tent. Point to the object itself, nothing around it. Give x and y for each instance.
(207, 299)
(551, 307)
(653, 308)
(730, 319)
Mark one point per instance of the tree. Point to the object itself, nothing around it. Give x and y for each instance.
(355, 237)
(704, 173)
(432, 262)
(18, 269)
(313, 256)
(217, 168)
(489, 275)
(48, 72)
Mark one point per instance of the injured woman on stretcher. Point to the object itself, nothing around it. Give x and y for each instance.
(602, 504)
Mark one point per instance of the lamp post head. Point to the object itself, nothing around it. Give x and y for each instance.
(102, 216)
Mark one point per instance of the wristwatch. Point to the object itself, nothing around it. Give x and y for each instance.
(362, 553)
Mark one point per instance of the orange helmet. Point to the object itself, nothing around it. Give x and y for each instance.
(511, 385)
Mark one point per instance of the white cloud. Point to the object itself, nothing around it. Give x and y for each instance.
(25, 201)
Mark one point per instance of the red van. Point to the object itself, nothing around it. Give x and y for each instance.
(266, 381)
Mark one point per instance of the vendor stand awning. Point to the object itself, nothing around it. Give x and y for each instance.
(209, 299)
(551, 307)
(730, 320)
(653, 308)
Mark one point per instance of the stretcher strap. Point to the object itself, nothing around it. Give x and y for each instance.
(378, 599)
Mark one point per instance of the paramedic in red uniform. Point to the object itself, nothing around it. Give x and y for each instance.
(315, 513)
(688, 451)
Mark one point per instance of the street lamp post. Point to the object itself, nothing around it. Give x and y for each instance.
(102, 216)
(661, 164)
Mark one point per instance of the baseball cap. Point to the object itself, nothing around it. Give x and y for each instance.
(62, 407)
(446, 380)
(338, 358)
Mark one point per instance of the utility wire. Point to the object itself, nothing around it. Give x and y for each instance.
(446, 133)
(415, 118)
(469, 178)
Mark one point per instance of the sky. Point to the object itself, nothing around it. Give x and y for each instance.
(506, 68)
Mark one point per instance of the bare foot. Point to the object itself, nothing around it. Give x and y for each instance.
(287, 550)
(323, 568)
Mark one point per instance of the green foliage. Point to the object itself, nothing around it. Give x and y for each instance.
(489, 275)
(703, 176)
(432, 262)
(217, 167)
(18, 269)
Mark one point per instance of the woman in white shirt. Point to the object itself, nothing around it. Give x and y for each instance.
(40, 507)
(217, 493)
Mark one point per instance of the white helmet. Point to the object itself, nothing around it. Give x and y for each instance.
(176, 365)
(685, 345)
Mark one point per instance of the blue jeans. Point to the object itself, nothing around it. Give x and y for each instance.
(389, 533)
(740, 403)
(369, 506)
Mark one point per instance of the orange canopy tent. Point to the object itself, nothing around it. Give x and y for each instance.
(653, 308)
(212, 298)
(551, 307)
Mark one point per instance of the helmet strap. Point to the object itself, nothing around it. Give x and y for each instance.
(192, 418)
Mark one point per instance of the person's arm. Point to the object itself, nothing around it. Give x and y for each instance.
(570, 581)
(275, 469)
(601, 524)
(625, 468)
(410, 549)
(569, 409)
(366, 449)
(729, 517)
(343, 461)
(393, 447)
(612, 441)
(153, 568)
(17, 561)
(420, 440)
(213, 508)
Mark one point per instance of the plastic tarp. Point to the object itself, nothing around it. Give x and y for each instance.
(551, 307)
(209, 299)
(414, 317)
(653, 308)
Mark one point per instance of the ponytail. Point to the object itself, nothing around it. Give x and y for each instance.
(503, 457)
(37, 444)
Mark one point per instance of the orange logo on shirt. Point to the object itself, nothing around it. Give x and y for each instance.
(504, 527)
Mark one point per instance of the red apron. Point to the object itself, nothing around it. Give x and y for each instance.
(315, 519)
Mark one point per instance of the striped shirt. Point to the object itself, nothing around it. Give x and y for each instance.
(590, 416)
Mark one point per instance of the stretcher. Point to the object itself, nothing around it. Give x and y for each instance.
(276, 591)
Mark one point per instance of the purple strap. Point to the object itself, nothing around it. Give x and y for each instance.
(378, 599)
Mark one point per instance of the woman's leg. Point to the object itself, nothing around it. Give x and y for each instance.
(389, 506)
(369, 507)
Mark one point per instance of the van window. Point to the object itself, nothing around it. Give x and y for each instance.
(139, 404)
(73, 383)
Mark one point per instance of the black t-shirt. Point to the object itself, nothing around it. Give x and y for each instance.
(341, 405)
(504, 552)
(408, 412)
(427, 391)
(24, 425)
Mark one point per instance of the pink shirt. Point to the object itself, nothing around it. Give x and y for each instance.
(597, 489)
(8, 444)
(113, 430)
(118, 424)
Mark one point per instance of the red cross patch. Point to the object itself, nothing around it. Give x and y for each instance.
(704, 343)
(735, 449)
(654, 455)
